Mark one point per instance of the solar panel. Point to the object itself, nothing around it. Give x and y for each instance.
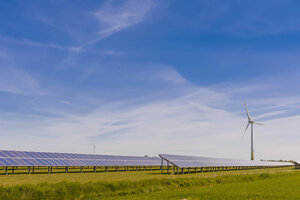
(193, 161)
(24, 158)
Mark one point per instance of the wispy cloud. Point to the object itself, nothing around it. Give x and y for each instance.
(74, 49)
(271, 114)
(16, 81)
(113, 19)
(37, 44)
(171, 75)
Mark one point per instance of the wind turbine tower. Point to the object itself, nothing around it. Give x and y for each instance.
(251, 122)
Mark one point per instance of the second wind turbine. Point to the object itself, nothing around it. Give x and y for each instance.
(250, 122)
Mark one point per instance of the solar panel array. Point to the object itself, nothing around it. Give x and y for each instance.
(24, 158)
(193, 161)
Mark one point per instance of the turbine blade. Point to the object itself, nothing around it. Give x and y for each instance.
(246, 129)
(258, 123)
(248, 115)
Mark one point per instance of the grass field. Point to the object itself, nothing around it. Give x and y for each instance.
(275, 183)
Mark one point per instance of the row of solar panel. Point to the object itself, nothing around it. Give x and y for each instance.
(24, 158)
(45, 155)
(192, 161)
(5, 162)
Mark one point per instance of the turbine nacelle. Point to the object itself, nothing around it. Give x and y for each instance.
(251, 121)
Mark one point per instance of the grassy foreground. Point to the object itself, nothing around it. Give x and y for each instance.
(281, 183)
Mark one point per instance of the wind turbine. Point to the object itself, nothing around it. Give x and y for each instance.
(250, 122)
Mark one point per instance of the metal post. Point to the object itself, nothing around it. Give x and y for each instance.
(48, 170)
(182, 170)
(81, 169)
(201, 169)
(188, 170)
(195, 170)
(252, 150)
(12, 170)
(6, 171)
(177, 171)
(67, 169)
(161, 166)
(94, 168)
(167, 167)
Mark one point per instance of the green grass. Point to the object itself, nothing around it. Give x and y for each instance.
(274, 187)
(275, 183)
(89, 176)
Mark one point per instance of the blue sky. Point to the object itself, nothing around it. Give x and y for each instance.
(145, 76)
